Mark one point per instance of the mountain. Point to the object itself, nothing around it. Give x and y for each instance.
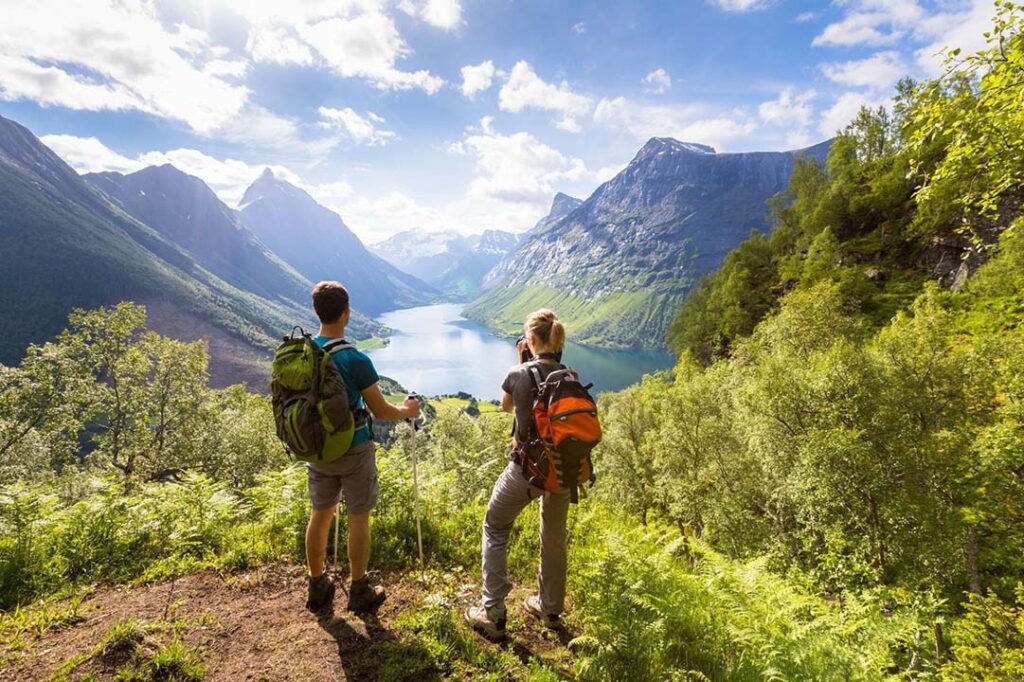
(316, 241)
(184, 210)
(454, 263)
(617, 266)
(64, 245)
(561, 206)
(423, 253)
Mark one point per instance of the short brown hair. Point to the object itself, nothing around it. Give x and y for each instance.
(330, 301)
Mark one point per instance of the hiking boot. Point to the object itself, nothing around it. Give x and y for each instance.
(551, 621)
(320, 594)
(364, 597)
(488, 622)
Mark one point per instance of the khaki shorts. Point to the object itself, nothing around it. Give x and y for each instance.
(352, 476)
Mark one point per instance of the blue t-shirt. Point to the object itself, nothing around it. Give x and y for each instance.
(359, 374)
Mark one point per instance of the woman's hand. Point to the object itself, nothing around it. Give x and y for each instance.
(522, 348)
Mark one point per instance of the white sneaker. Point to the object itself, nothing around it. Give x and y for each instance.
(551, 621)
(488, 622)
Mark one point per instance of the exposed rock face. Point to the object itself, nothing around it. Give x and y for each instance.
(619, 264)
(561, 206)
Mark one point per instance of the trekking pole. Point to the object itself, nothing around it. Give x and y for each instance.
(416, 424)
(337, 522)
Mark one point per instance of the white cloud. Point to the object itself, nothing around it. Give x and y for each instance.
(355, 38)
(228, 177)
(690, 124)
(446, 14)
(89, 155)
(367, 45)
(873, 22)
(94, 55)
(742, 5)
(858, 29)
(360, 129)
(579, 28)
(804, 17)
(477, 78)
(500, 159)
(791, 108)
(956, 23)
(516, 168)
(845, 109)
(277, 45)
(525, 90)
(877, 72)
(230, 68)
(657, 81)
(964, 29)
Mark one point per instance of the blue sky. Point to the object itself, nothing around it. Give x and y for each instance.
(450, 114)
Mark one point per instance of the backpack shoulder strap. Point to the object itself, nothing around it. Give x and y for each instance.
(537, 381)
(331, 347)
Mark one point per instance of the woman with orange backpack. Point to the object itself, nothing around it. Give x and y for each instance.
(555, 427)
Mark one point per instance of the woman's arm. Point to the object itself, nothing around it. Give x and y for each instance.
(384, 410)
(506, 402)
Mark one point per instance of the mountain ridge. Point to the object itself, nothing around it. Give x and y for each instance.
(456, 264)
(67, 244)
(186, 211)
(318, 244)
(617, 266)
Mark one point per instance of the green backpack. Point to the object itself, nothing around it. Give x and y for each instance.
(310, 402)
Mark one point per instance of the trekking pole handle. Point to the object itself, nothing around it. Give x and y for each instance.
(416, 423)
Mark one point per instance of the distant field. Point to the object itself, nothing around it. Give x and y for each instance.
(614, 320)
(372, 343)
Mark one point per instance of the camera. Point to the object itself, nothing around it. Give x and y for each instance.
(525, 355)
(524, 350)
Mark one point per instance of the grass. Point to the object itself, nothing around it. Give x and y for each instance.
(615, 319)
(21, 623)
(372, 343)
(129, 649)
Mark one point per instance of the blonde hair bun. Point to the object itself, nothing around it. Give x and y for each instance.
(545, 326)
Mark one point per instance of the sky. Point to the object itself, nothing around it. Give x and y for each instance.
(459, 115)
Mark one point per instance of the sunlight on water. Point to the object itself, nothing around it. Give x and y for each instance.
(434, 350)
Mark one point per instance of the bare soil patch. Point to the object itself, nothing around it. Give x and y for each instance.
(253, 626)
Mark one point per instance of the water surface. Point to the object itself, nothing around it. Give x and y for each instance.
(434, 350)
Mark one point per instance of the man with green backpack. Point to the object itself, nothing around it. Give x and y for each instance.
(321, 390)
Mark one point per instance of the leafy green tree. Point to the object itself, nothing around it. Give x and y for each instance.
(988, 643)
(974, 112)
(626, 457)
(47, 399)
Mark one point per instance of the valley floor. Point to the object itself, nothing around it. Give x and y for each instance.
(253, 626)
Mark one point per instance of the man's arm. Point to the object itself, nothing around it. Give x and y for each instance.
(384, 410)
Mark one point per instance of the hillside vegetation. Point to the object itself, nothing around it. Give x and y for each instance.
(618, 265)
(829, 486)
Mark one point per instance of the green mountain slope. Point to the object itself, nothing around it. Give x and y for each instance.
(616, 267)
(65, 245)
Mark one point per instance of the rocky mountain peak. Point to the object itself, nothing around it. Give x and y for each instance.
(663, 145)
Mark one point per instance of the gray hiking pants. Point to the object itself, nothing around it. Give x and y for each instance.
(510, 496)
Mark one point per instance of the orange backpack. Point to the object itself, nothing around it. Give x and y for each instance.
(567, 429)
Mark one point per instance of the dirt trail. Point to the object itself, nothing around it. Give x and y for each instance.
(249, 626)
